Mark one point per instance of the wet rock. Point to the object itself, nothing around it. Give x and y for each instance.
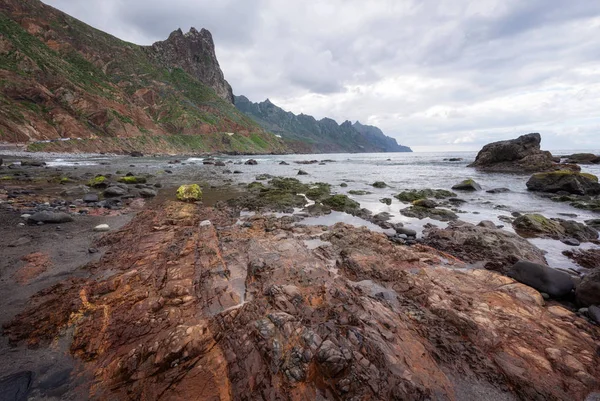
(497, 190)
(588, 258)
(102, 228)
(570, 241)
(413, 195)
(220, 163)
(386, 201)
(594, 313)
(136, 154)
(50, 217)
(33, 163)
(427, 203)
(16, 387)
(79, 190)
(594, 223)
(491, 248)
(238, 172)
(564, 181)
(263, 177)
(91, 198)
(583, 158)
(487, 224)
(406, 231)
(517, 155)
(343, 185)
(467, 185)
(147, 193)
(99, 181)
(420, 212)
(588, 290)
(553, 282)
(342, 203)
(359, 192)
(114, 191)
(282, 163)
(302, 172)
(536, 225)
(251, 162)
(379, 184)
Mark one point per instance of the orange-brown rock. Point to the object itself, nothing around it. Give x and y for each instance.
(191, 305)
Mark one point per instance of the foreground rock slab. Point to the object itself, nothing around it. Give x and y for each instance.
(189, 305)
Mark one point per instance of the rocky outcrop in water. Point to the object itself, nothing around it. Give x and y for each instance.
(565, 181)
(516, 155)
(190, 305)
(193, 52)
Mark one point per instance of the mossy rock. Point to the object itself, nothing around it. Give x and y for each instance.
(341, 203)
(255, 186)
(564, 181)
(428, 203)
(387, 201)
(413, 195)
(318, 191)
(420, 212)
(536, 225)
(263, 177)
(467, 185)
(98, 182)
(7, 178)
(132, 180)
(379, 184)
(189, 193)
(289, 184)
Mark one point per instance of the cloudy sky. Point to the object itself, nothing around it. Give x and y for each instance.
(434, 74)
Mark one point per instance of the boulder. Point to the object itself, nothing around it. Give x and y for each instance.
(189, 193)
(219, 163)
(114, 191)
(564, 181)
(91, 198)
(302, 172)
(583, 158)
(516, 155)
(428, 203)
(420, 212)
(387, 201)
(33, 163)
(545, 279)
(50, 217)
(251, 162)
(588, 290)
(147, 193)
(497, 190)
(467, 185)
(282, 163)
(135, 153)
(594, 313)
(536, 225)
(379, 184)
(485, 246)
(414, 194)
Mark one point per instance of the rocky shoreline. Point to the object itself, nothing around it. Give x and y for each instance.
(235, 295)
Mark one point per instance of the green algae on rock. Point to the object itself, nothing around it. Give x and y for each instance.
(98, 182)
(189, 193)
(415, 194)
(132, 180)
(564, 180)
(341, 203)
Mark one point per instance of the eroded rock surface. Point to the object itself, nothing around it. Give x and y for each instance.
(189, 305)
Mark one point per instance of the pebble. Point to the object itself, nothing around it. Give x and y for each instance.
(102, 228)
(92, 250)
(25, 216)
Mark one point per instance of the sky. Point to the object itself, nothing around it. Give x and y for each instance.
(434, 74)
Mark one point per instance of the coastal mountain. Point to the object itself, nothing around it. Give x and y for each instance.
(304, 133)
(66, 86)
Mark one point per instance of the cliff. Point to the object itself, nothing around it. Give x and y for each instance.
(304, 133)
(62, 80)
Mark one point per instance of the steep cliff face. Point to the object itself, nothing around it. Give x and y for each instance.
(304, 133)
(61, 79)
(193, 52)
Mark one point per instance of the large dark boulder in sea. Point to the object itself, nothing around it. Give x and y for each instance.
(588, 290)
(553, 282)
(564, 181)
(583, 158)
(491, 248)
(516, 155)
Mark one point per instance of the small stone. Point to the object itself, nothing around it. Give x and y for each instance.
(25, 216)
(102, 228)
(545, 295)
(92, 250)
(406, 231)
(147, 193)
(90, 198)
(570, 242)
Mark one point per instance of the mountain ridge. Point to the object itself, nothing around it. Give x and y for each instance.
(304, 133)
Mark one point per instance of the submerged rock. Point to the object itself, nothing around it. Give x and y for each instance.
(517, 155)
(545, 279)
(415, 194)
(536, 225)
(489, 247)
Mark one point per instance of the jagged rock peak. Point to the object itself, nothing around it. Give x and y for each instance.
(193, 52)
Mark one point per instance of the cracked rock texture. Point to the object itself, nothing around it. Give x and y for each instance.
(189, 305)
